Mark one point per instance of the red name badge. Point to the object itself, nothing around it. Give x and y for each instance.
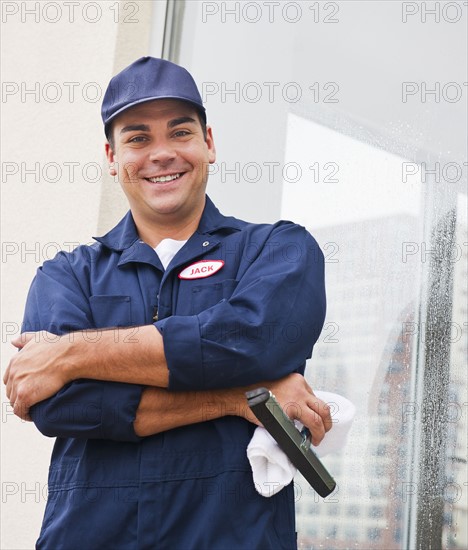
(201, 269)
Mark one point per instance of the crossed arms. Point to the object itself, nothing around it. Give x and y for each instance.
(179, 371)
(47, 363)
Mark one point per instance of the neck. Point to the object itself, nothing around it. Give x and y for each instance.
(153, 231)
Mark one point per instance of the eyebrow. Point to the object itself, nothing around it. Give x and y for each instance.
(145, 128)
(180, 120)
(135, 128)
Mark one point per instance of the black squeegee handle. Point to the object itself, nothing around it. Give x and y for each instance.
(291, 441)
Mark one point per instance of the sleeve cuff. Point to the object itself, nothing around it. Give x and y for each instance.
(119, 405)
(182, 348)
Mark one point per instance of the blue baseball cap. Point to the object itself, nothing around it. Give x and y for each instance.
(147, 79)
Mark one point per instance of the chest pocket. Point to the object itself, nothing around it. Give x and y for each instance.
(206, 295)
(111, 311)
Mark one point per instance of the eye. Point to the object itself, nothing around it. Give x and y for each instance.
(138, 139)
(181, 133)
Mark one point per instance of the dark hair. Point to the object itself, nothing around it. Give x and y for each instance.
(110, 136)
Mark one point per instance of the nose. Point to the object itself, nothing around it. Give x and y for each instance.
(162, 151)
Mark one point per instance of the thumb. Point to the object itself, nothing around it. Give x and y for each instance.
(23, 339)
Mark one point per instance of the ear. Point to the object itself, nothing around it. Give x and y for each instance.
(210, 144)
(110, 159)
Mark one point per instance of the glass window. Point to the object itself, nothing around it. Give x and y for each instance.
(353, 511)
(375, 512)
(350, 118)
(350, 534)
(373, 534)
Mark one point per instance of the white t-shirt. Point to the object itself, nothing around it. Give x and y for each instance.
(167, 249)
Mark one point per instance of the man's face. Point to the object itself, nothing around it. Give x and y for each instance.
(162, 158)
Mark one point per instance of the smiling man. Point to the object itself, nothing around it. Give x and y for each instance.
(163, 157)
(137, 351)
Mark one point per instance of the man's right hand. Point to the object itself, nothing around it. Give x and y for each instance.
(162, 410)
(298, 401)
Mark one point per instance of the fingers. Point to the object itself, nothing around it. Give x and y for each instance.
(299, 402)
(316, 416)
(323, 410)
(15, 392)
(19, 343)
(22, 410)
(311, 411)
(10, 387)
(19, 399)
(8, 379)
(6, 376)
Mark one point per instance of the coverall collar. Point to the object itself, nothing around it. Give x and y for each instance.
(125, 234)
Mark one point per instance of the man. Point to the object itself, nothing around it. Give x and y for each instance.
(150, 415)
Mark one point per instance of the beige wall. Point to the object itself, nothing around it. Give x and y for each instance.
(43, 51)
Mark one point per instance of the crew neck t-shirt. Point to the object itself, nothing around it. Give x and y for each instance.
(167, 249)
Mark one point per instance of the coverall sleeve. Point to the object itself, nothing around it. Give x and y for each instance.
(88, 409)
(265, 330)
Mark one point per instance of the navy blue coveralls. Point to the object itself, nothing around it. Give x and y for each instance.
(255, 319)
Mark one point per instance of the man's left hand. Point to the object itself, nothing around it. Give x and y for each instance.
(36, 373)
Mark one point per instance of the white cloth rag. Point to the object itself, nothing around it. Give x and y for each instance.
(271, 468)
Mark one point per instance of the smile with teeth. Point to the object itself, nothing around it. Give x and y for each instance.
(162, 179)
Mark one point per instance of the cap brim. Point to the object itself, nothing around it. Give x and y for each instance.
(197, 106)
